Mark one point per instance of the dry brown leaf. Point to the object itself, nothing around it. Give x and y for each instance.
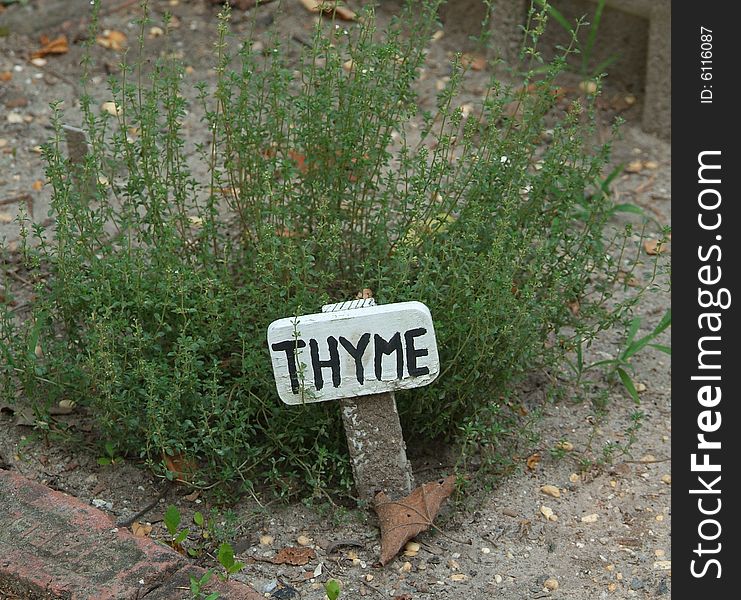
(181, 467)
(112, 39)
(475, 61)
(401, 520)
(58, 45)
(653, 247)
(300, 160)
(533, 460)
(574, 307)
(192, 497)
(292, 555)
(37, 185)
(6, 75)
(141, 529)
(329, 8)
(285, 232)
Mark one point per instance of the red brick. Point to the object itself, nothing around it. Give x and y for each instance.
(53, 542)
(178, 587)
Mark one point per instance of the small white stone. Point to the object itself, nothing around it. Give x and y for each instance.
(590, 518)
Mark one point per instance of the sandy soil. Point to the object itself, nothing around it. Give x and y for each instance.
(610, 537)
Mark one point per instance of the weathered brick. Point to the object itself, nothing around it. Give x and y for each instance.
(55, 543)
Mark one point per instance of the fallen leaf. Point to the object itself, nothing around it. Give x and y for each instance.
(329, 9)
(401, 520)
(192, 497)
(292, 555)
(653, 247)
(141, 529)
(475, 61)
(551, 490)
(300, 160)
(58, 45)
(285, 232)
(37, 185)
(112, 39)
(6, 75)
(181, 467)
(533, 460)
(574, 307)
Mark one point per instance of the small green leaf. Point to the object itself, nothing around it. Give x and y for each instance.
(332, 589)
(225, 555)
(207, 577)
(236, 567)
(172, 519)
(628, 383)
(627, 207)
(181, 536)
(662, 348)
(213, 596)
(198, 519)
(102, 461)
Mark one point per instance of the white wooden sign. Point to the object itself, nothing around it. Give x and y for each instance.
(349, 353)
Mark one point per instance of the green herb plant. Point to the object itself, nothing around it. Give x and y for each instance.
(311, 179)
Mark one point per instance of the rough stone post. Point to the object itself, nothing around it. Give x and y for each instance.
(377, 447)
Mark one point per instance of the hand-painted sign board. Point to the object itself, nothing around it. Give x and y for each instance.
(349, 353)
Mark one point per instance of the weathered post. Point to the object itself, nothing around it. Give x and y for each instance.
(360, 353)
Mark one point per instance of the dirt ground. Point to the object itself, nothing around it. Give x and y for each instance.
(609, 532)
